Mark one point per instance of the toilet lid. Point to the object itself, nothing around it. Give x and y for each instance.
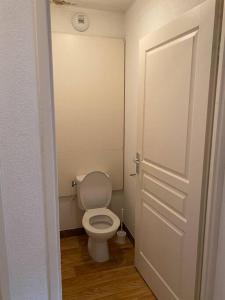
(95, 190)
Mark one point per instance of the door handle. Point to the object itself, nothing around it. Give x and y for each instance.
(137, 163)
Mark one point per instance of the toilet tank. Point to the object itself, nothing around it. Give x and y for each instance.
(94, 190)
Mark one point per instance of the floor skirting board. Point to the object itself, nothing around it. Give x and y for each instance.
(80, 231)
(71, 232)
(129, 235)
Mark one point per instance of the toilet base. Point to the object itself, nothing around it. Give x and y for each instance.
(98, 249)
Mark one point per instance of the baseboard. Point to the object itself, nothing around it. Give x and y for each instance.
(71, 232)
(129, 235)
(80, 231)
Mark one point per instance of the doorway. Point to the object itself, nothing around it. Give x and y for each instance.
(88, 73)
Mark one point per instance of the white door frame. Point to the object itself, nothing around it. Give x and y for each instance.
(47, 128)
(216, 177)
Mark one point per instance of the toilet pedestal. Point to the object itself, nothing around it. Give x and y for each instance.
(98, 249)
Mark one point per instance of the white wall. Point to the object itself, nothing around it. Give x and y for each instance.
(89, 104)
(142, 18)
(102, 24)
(22, 193)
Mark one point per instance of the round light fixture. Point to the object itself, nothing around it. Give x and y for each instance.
(80, 22)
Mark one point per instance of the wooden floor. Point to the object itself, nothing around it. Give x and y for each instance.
(83, 279)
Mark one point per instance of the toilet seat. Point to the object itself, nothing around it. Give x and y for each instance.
(100, 212)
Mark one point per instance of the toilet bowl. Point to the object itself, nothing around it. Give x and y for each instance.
(100, 223)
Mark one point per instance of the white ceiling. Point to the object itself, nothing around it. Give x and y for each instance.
(114, 5)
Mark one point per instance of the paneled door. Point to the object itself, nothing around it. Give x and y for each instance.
(175, 64)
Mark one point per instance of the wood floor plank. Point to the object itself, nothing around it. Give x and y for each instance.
(84, 279)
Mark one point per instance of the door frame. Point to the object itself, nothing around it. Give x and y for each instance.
(47, 128)
(42, 20)
(216, 172)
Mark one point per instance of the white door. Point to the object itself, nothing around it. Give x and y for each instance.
(174, 90)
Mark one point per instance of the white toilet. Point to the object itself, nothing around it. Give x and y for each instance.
(94, 192)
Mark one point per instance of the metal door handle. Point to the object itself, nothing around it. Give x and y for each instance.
(137, 163)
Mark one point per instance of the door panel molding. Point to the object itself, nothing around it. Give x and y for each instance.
(166, 194)
(166, 176)
(168, 271)
(183, 135)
